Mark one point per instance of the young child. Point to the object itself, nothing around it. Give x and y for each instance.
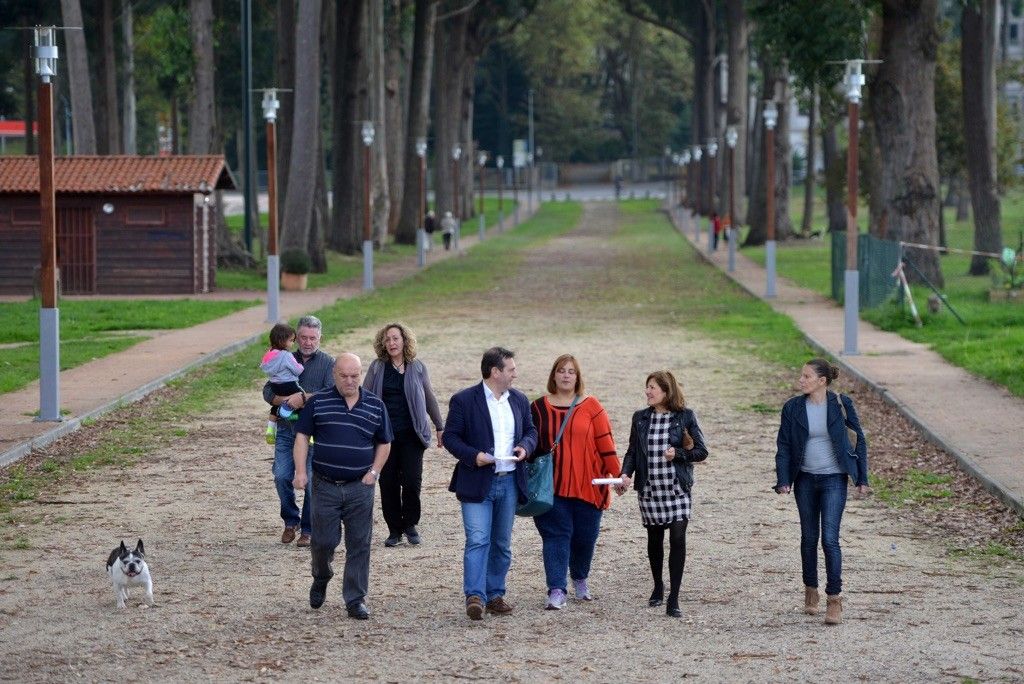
(283, 371)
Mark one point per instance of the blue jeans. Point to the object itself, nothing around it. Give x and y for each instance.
(284, 473)
(820, 500)
(488, 526)
(569, 533)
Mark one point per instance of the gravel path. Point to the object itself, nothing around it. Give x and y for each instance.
(231, 602)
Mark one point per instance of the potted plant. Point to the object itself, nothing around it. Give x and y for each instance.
(1008, 281)
(295, 265)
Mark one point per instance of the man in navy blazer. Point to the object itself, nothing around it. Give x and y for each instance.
(490, 431)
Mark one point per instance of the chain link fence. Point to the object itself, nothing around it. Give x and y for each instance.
(876, 260)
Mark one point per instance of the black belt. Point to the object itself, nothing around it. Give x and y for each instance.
(504, 473)
(329, 480)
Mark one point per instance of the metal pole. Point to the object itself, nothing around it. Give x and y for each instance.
(732, 210)
(515, 194)
(367, 233)
(482, 226)
(532, 152)
(711, 203)
(273, 260)
(769, 207)
(247, 175)
(501, 200)
(851, 291)
(457, 203)
(49, 314)
(421, 234)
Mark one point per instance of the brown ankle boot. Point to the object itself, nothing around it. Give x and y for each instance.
(811, 599)
(833, 609)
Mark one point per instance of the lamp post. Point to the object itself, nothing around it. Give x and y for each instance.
(695, 203)
(456, 194)
(771, 117)
(731, 138)
(540, 176)
(712, 148)
(671, 168)
(481, 159)
(851, 284)
(270, 105)
(421, 234)
(500, 163)
(529, 154)
(367, 134)
(45, 57)
(684, 179)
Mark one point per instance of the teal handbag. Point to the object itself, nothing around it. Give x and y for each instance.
(540, 477)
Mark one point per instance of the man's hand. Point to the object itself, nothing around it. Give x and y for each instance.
(440, 442)
(483, 459)
(296, 401)
(520, 453)
(784, 489)
(670, 453)
(370, 478)
(300, 480)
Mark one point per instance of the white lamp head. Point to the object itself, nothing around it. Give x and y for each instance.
(697, 153)
(481, 157)
(421, 147)
(456, 151)
(500, 161)
(45, 52)
(685, 157)
(368, 133)
(712, 147)
(771, 115)
(854, 79)
(731, 137)
(270, 104)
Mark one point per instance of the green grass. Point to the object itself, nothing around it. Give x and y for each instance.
(91, 329)
(204, 389)
(916, 487)
(342, 267)
(990, 345)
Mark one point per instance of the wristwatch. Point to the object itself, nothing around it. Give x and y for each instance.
(376, 475)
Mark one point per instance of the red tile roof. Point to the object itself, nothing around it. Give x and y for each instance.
(119, 174)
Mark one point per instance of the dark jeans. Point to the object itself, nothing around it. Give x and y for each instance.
(400, 482)
(569, 533)
(820, 499)
(284, 473)
(349, 504)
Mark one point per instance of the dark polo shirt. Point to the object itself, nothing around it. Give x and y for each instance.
(345, 438)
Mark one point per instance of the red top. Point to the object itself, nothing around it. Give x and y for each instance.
(587, 449)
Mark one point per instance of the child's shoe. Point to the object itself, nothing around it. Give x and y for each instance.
(271, 432)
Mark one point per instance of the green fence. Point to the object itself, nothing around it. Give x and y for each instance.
(876, 260)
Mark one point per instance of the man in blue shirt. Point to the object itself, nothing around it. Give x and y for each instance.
(353, 436)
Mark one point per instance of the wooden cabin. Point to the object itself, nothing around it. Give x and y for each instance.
(125, 224)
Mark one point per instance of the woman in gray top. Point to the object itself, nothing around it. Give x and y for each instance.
(402, 381)
(816, 455)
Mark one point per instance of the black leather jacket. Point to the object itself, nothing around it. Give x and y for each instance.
(635, 460)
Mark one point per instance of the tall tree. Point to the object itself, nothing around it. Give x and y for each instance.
(396, 94)
(109, 121)
(346, 225)
(284, 78)
(978, 69)
(306, 133)
(129, 126)
(420, 70)
(201, 112)
(902, 95)
(738, 97)
(79, 78)
(810, 174)
(775, 87)
(381, 201)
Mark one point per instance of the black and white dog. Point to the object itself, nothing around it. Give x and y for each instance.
(128, 569)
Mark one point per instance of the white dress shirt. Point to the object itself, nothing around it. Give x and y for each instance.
(503, 423)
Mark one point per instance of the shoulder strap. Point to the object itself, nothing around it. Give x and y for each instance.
(842, 406)
(565, 421)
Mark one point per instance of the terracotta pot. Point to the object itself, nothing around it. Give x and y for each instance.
(293, 281)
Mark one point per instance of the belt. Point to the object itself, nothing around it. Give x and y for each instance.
(329, 480)
(504, 473)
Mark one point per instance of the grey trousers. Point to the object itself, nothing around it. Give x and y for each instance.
(349, 504)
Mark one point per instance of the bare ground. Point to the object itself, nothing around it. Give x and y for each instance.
(232, 601)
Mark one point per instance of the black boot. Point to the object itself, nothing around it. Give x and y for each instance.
(672, 606)
(657, 596)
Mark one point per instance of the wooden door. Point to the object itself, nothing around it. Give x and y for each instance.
(76, 250)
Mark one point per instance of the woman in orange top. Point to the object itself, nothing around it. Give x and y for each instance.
(586, 451)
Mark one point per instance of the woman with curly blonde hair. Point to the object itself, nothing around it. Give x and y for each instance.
(402, 382)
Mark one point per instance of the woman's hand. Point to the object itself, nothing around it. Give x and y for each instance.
(863, 490)
(440, 434)
(626, 482)
(670, 453)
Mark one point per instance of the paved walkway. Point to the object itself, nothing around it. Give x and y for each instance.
(980, 423)
(95, 388)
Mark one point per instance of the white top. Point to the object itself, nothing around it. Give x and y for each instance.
(503, 423)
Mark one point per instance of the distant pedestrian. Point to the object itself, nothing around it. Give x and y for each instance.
(430, 227)
(447, 229)
(402, 381)
(664, 443)
(716, 229)
(353, 438)
(316, 376)
(814, 460)
(618, 186)
(283, 370)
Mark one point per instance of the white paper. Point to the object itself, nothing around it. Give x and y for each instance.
(505, 458)
(606, 481)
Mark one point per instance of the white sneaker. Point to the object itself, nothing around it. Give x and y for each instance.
(556, 600)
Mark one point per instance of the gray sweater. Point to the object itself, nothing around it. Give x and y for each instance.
(317, 376)
(418, 393)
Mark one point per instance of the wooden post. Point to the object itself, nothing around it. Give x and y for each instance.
(769, 191)
(852, 180)
(272, 188)
(47, 200)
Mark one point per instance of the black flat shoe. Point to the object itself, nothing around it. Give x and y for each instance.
(358, 611)
(317, 593)
(657, 596)
(672, 608)
(393, 540)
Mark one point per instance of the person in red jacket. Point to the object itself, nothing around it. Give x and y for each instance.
(585, 451)
(717, 227)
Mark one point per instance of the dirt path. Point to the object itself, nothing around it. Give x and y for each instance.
(232, 601)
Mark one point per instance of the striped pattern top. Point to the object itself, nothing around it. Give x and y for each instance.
(345, 438)
(587, 449)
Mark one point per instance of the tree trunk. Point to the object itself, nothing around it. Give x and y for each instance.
(346, 224)
(284, 78)
(835, 179)
(775, 87)
(394, 98)
(380, 199)
(704, 105)
(201, 107)
(963, 206)
(978, 75)
(109, 120)
(903, 107)
(421, 68)
(736, 108)
(303, 163)
(78, 79)
(449, 54)
(811, 176)
(129, 127)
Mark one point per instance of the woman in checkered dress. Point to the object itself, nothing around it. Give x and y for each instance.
(664, 443)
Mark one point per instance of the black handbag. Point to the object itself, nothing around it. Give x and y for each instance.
(540, 477)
